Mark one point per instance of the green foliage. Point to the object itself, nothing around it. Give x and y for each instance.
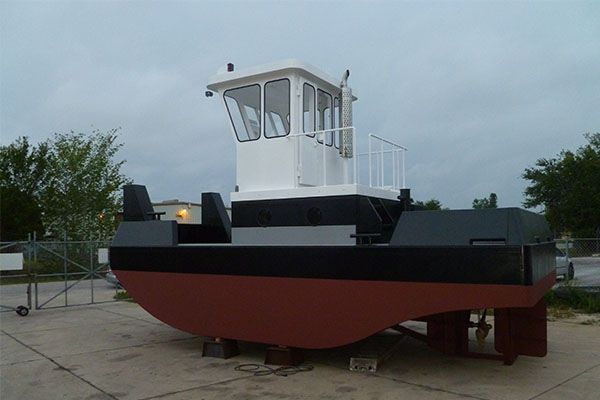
(70, 183)
(23, 172)
(83, 195)
(568, 188)
(571, 297)
(431, 204)
(20, 214)
(24, 166)
(489, 202)
(123, 295)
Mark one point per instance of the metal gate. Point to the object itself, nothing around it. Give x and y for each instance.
(57, 273)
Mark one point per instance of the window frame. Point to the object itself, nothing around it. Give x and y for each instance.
(314, 109)
(330, 118)
(260, 128)
(264, 111)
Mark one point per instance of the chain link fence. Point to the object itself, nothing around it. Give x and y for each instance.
(584, 255)
(580, 247)
(56, 273)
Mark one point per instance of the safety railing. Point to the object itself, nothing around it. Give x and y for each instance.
(384, 153)
(385, 165)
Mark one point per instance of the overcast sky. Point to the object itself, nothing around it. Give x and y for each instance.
(476, 91)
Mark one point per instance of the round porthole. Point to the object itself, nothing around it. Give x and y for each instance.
(314, 216)
(264, 217)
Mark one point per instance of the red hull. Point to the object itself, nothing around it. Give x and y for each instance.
(308, 313)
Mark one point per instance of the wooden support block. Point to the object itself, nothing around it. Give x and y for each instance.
(449, 332)
(278, 355)
(220, 348)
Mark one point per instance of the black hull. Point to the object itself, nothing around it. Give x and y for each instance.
(505, 265)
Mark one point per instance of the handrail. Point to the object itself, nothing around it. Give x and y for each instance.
(398, 160)
(396, 148)
(346, 128)
(388, 141)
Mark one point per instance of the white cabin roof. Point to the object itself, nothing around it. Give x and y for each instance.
(243, 76)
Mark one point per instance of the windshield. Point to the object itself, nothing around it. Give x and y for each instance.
(277, 108)
(243, 106)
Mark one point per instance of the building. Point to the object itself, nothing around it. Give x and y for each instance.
(184, 212)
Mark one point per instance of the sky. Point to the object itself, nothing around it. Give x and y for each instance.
(477, 91)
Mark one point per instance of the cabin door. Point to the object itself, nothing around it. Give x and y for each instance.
(311, 160)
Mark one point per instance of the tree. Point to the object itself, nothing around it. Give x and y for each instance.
(23, 172)
(83, 193)
(431, 204)
(70, 183)
(489, 202)
(568, 188)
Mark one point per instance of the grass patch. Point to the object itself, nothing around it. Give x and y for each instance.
(567, 299)
(592, 321)
(123, 295)
(560, 312)
(8, 280)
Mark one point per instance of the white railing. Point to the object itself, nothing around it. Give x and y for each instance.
(386, 150)
(395, 154)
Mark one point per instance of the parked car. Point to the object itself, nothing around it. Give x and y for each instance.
(564, 265)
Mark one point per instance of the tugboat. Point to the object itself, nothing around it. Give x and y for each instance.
(324, 246)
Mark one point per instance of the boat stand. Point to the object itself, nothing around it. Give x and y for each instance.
(282, 355)
(220, 348)
(517, 331)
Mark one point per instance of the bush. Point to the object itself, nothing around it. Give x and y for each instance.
(572, 297)
(123, 295)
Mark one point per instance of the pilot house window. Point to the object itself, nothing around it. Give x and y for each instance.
(324, 116)
(308, 109)
(243, 106)
(277, 108)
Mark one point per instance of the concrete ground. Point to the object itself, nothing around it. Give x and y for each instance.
(118, 351)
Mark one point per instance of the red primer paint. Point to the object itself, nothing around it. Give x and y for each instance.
(307, 313)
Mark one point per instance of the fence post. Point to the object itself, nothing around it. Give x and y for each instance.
(29, 274)
(29, 247)
(65, 266)
(34, 247)
(35, 283)
(91, 268)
